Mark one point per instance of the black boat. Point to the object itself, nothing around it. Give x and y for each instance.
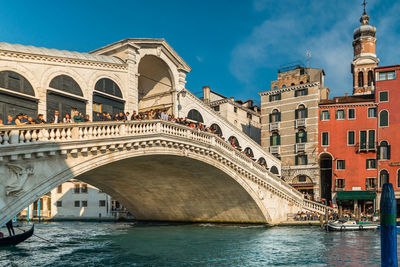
(16, 239)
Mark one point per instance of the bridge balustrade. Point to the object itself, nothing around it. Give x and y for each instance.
(60, 133)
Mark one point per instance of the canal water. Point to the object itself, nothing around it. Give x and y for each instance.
(129, 244)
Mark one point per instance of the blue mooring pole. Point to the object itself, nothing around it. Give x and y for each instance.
(27, 214)
(39, 209)
(388, 227)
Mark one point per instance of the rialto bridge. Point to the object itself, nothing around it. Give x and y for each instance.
(157, 169)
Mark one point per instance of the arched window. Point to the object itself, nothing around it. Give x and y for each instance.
(249, 152)
(22, 101)
(262, 162)
(383, 118)
(283, 86)
(301, 82)
(274, 170)
(194, 115)
(292, 84)
(67, 98)
(108, 86)
(15, 82)
(233, 141)
(275, 116)
(301, 112)
(370, 78)
(384, 150)
(360, 79)
(216, 129)
(383, 178)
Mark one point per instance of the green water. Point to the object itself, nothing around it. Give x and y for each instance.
(129, 244)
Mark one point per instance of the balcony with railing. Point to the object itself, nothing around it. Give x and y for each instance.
(300, 147)
(366, 147)
(300, 123)
(273, 126)
(274, 149)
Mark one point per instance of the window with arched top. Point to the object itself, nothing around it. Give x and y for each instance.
(108, 86)
(66, 84)
(275, 116)
(360, 79)
(15, 82)
(370, 78)
(383, 178)
(262, 162)
(384, 150)
(233, 141)
(283, 86)
(274, 170)
(195, 115)
(301, 112)
(383, 118)
(216, 129)
(292, 84)
(249, 152)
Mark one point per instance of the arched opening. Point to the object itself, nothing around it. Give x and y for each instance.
(275, 116)
(274, 170)
(301, 112)
(216, 129)
(384, 150)
(262, 162)
(360, 79)
(284, 86)
(155, 85)
(195, 115)
(249, 152)
(65, 95)
(383, 178)
(234, 141)
(107, 97)
(370, 78)
(18, 96)
(383, 118)
(325, 164)
(305, 185)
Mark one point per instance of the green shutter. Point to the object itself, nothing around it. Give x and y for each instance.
(279, 97)
(296, 114)
(306, 91)
(388, 152)
(329, 114)
(270, 118)
(278, 140)
(366, 163)
(336, 114)
(297, 137)
(279, 116)
(306, 113)
(306, 159)
(296, 160)
(270, 98)
(270, 140)
(320, 115)
(305, 137)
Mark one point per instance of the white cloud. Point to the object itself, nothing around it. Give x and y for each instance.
(323, 27)
(199, 59)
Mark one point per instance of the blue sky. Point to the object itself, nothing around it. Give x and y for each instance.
(233, 46)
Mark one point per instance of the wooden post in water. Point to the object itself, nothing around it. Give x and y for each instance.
(340, 212)
(388, 226)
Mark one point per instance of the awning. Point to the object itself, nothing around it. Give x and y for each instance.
(349, 195)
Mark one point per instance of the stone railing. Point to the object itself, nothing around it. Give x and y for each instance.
(80, 134)
(316, 207)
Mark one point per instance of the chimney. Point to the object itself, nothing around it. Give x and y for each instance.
(345, 94)
(232, 98)
(206, 94)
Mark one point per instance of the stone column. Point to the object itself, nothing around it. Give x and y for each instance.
(132, 92)
(180, 86)
(42, 105)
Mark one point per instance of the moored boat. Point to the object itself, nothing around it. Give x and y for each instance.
(16, 239)
(350, 226)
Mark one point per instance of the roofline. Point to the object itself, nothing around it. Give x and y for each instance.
(390, 66)
(136, 43)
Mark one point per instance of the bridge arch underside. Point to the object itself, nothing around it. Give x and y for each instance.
(175, 188)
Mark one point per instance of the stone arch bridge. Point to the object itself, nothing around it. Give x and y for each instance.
(159, 170)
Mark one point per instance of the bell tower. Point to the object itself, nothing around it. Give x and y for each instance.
(364, 60)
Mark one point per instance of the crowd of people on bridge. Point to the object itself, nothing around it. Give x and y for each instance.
(78, 117)
(315, 216)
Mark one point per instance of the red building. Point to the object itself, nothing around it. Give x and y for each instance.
(347, 147)
(387, 95)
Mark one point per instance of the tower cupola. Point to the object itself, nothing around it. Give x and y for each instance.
(365, 60)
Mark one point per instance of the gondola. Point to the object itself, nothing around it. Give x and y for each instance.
(16, 239)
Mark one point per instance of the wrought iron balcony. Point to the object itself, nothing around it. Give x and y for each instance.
(300, 147)
(273, 126)
(275, 149)
(300, 123)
